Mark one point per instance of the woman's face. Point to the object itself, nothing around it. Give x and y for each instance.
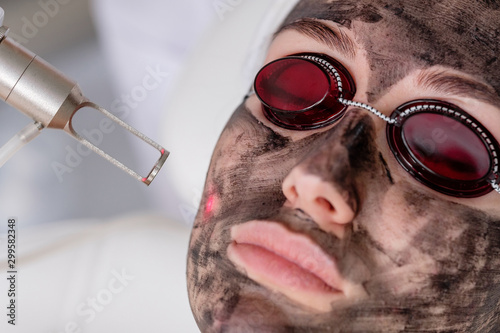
(323, 230)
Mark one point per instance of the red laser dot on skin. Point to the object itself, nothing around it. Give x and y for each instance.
(209, 206)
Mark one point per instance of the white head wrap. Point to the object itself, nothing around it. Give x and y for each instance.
(213, 84)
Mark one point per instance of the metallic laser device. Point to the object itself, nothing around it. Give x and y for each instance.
(37, 89)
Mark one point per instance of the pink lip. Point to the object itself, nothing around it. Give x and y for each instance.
(271, 252)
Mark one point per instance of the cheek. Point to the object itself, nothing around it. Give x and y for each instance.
(385, 232)
(400, 224)
(406, 229)
(422, 243)
(401, 265)
(243, 177)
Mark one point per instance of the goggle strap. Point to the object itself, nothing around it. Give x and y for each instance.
(369, 108)
(495, 183)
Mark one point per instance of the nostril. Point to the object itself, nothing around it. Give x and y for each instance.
(325, 204)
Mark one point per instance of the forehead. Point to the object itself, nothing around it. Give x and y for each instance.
(462, 35)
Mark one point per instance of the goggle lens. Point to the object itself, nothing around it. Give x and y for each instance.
(444, 148)
(449, 149)
(300, 93)
(292, 85)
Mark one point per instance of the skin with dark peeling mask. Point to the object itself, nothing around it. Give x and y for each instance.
(415, 260)
(457, 34)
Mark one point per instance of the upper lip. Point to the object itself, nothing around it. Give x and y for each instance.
(292, 246)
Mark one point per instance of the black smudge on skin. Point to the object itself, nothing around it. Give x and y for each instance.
(274, 142)
(386, 167)
(343, 12)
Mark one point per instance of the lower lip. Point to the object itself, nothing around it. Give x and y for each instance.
(265, 266)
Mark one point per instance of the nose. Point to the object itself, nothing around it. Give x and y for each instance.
(319, 199)
(326, 185)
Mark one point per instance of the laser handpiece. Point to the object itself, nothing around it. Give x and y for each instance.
(37, 89)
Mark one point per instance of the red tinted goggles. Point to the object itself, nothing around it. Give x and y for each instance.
(438, 143)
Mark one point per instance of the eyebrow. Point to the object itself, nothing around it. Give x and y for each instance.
(321, 32)
(454, 84)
